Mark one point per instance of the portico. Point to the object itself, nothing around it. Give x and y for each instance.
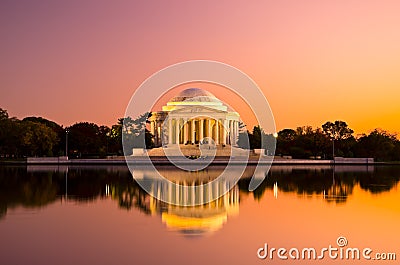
(195, 116)
(193, 131)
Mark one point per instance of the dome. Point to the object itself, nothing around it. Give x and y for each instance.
(194, 95)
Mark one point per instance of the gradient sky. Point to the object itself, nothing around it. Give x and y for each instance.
(315, 61)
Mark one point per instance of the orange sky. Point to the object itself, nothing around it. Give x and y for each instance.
(315, 61)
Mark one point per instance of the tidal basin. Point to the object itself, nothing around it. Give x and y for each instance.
(56, 214)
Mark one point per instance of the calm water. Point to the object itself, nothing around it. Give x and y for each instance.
(99, 215)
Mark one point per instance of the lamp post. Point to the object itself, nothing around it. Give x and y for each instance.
(107, 136)
(275, 135)
(66, 142)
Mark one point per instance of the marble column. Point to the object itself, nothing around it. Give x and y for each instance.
(177, 131)
(224, 128)
(231, 132)
(216, 132)
(170, 130)
(193, 131)
(185, 131)
(201, 129)
(152, 130)
(209, 127)
(158, 129)
(236, 131)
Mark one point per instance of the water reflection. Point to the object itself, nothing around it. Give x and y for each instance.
(333, 184)
(38, 186)
(191, 220)
(199, 220)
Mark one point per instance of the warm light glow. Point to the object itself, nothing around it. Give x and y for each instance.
(325, 60)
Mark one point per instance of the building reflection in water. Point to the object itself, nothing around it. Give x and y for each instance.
(201, 219)
(186, 188)
(38, 186)
(197, 189)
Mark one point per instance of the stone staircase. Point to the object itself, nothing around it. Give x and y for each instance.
(196, 150)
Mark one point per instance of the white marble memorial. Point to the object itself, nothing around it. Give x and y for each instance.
(195, 116)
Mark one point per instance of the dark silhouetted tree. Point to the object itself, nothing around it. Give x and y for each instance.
(380, 145)
(341, 134)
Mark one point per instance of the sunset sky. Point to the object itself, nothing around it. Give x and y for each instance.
(315, 61)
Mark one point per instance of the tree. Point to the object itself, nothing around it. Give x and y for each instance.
(241, 126)
(84, 139)
(379, 144)
(115, 138)
(135, 133)
(256, 138)
(247, 140)
(9, 135)
(3, 130)
(304, 142)
(339, 131)
(37, 139)
(287, 135)
(58, 148)
(3, 114)
(320, 143)
(243, 139)
(25, 138)
(285, 140)
(104, 135)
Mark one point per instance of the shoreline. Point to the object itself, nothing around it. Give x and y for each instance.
(165, 161)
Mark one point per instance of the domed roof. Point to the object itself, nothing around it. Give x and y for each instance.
(194, 95)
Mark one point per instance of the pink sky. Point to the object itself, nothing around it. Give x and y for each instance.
(315, 61)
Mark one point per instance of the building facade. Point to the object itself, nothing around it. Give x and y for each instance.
(195, 116)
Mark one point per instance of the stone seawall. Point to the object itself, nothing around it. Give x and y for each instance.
(218, 160)
(47, 160)
(345, 160)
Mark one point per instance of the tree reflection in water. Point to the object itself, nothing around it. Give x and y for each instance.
(38, 186)
(332, 184)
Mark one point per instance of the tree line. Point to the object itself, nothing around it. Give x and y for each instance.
(332, 139)
(36, 136)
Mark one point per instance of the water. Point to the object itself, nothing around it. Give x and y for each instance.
(99, 215)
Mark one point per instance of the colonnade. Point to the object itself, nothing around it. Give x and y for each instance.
(193, 131)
